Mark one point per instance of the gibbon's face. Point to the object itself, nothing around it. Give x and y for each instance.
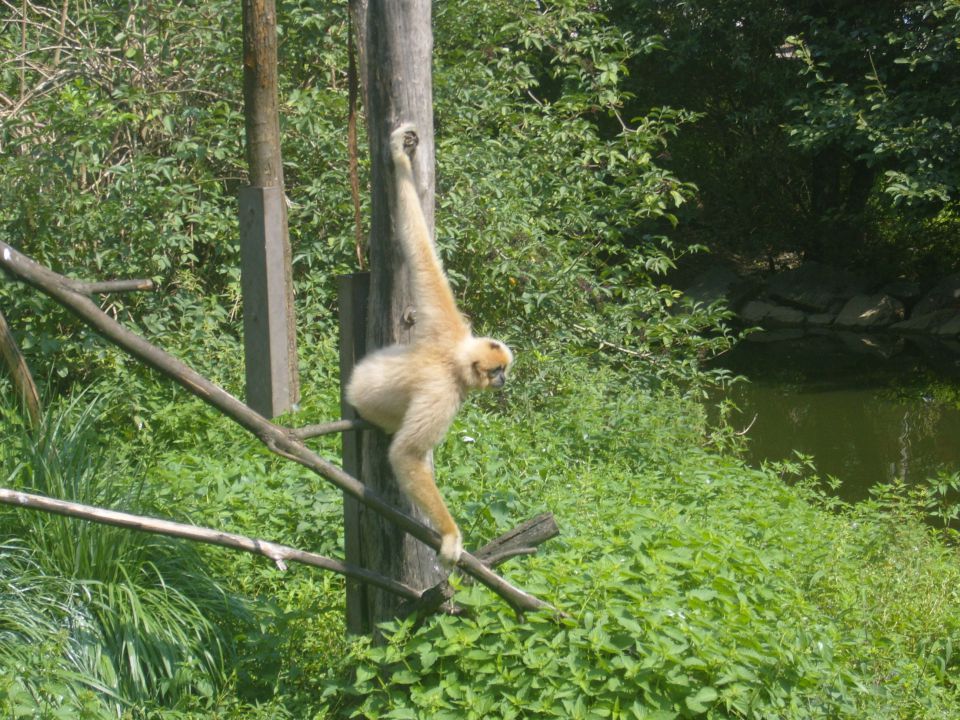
(489, 362)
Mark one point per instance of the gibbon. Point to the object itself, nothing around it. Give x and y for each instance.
(414, 391)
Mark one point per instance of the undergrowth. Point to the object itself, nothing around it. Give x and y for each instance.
(691, 585)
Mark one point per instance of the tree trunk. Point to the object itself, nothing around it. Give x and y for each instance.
(396, 44)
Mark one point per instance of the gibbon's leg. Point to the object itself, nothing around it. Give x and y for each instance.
(415, 477)
(424, 426)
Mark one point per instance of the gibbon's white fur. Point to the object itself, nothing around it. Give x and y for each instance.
(414, 391)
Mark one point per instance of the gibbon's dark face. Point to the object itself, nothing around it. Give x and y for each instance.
(491, 359)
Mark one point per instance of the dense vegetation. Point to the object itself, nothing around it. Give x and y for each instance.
(693, 585)
(828, 129)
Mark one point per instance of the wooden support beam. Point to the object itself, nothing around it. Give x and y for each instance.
(269, 319)
(263, 282)
(395, 43)
(279, 440)
(352, 291)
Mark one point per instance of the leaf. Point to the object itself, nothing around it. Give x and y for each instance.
(701, 701)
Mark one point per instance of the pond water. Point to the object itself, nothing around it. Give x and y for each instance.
(866, 408)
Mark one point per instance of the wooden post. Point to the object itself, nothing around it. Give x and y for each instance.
(396, 44)
(352, 291)
(269, 320)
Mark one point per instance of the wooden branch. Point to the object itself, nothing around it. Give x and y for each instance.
(522, 540)
(438, 598)
(280, 554)
(337, 426)
(279, 440)
(113, 286)
(22, 379)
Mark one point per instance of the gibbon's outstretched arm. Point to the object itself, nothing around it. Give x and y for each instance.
(436, 308)
(414, 391)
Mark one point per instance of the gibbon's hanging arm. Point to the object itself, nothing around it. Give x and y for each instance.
(282, 441)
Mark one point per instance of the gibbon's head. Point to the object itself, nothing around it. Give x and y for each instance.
(484, 362)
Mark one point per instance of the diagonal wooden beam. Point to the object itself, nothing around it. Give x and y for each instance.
(279, 440)
(280, 554)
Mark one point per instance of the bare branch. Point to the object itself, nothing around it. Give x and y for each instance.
(279, 440)
(309, 431)
(521, 540)
(112, 286)
(280, 554)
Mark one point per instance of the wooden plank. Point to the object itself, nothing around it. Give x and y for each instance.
(352, 291)
(263, 273)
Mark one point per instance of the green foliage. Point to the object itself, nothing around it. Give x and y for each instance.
(886, 90)
(554, 222)
(126, 618)
(720, 60)
(549, 194)
(692, 586)
(815, 116)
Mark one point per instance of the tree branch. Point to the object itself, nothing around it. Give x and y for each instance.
(309, 431)
(522, 540)
(20, 372)
(280, 554)
(110, 286)
(279, 440)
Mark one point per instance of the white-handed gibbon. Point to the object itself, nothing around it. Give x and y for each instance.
(414, 391)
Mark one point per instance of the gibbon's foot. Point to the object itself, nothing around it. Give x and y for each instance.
(404, 139)
(451, 548)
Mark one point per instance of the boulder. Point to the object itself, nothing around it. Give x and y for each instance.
(815, 287)
(950, 327)
(765, 313)
(924, 322)
(870, 311)
(945, 295)
(719, 283)
(821, 320)
(907, 291)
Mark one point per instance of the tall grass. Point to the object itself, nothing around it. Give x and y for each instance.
(124, 619)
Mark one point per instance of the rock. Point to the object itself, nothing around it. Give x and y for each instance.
(944, 295)
(950, 327)
(814, 287)
(924, 322)
(907, 291)
(821, 319)
(765, 313)
(719, 283)
(870, 311)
